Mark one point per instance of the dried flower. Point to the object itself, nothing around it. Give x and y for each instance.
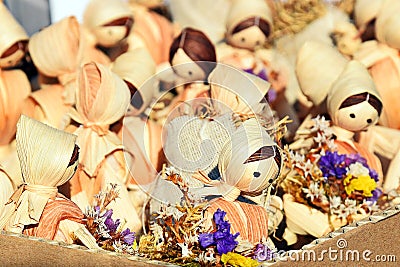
(222, 237)
(364, 184)
(238, 260)
(332, 164)
(315, 192)
(357, 169)
(128, 236)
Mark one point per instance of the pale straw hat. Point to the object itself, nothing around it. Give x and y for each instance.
(318, 65)
(388, 24)
(10, 30)
(354, 80)
(241, 10)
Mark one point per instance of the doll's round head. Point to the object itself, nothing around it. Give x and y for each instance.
(13, 55)
(192, 55)
(13, 39)
(358, 112)
(250, 33)
(353, 101)
(110, 21)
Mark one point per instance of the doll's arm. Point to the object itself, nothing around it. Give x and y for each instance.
(68, 227)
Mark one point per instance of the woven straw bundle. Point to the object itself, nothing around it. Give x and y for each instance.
(11, 32)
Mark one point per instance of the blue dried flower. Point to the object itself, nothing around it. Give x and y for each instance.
(218, 216)
(332, 164)
(375, 195)
(206, 240)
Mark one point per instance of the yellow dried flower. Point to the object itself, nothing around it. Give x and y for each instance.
(362, 183)
(237, 260)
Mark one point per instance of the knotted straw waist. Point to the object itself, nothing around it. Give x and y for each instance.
(100, 129)
(45, 191)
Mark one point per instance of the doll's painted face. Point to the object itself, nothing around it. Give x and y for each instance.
(186, 68)
(357, 117)
(249, 38)
(262, 168)
(13, 55)
(110, 34)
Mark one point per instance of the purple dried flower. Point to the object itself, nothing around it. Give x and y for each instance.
(111, 225)
(218, 216)
(376, 193)
(128, 236)
(263, 253)
(206, 240)
(332, 164)
(222, 237)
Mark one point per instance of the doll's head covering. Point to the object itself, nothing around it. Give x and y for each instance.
(249, 162)
(354, 80)
(366, 10)
(48, 159)
(318, 65)
(14, 88)
(58, 48)
(237, 91)
(100, 12)
(388, 23)
(242, 10)
(135, 67)
(102, 98)
(11, 31)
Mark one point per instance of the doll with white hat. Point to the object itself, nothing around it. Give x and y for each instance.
(249, 30)
(49, 158)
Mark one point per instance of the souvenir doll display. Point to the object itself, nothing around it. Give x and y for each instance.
(48, 158)
(200, 133)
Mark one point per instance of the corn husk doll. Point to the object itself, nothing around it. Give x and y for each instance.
(49, 158)
(102, 99)
(192, 58)
(249, 28)
(106, 23)
(57, 51)
(14, 88)
(213, 168)
(354, 105)
(380, 53)
(141, 136)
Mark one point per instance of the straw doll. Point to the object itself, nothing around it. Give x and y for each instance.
(141, 136)
(192, 58)
(249, 28)
(353, 105)
(221, 157)
(151, 31)
(14, 88)
(380, 53)
(57, 51)
(49, 158)
(102, 99)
